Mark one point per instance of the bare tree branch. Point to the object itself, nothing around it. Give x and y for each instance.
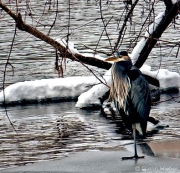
(170, 13)
(63, 50)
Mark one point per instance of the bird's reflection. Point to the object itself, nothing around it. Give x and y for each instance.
(146, 149)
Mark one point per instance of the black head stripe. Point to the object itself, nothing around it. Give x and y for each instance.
(122, 53)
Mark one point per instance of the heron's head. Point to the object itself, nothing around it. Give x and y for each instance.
(120, 56)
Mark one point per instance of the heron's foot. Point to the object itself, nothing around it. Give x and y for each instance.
(133, 157)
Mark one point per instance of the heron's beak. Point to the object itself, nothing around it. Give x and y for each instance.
(112, 59)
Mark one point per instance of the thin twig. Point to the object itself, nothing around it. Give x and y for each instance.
(88, 69)
(172, 98)
(124, 25)
(99, 51)
(160, 60)
(54, 18)
(105, 25)
(95, 51)
(4, 79)
(178, 50)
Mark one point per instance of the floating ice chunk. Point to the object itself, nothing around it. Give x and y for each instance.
(72, 87)
(167, 78)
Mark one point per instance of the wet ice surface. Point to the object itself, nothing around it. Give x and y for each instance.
(166, 142)
(52, 131)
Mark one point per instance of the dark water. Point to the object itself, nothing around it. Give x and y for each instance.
(52, 131)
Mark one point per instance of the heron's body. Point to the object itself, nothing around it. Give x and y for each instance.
(131, 95)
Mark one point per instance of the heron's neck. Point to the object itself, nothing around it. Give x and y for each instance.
(126, 65)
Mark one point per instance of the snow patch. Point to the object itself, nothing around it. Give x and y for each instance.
(152, 27)
(70, 45)
(92, 55)
(165, 77)
(75, 51)
(174, 1)
(136, 51)
(92, 97)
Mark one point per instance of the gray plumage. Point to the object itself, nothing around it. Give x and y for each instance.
(131, 94)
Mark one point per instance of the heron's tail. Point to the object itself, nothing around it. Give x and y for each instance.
(139, 129)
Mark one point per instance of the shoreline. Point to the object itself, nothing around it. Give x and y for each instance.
(100, 161)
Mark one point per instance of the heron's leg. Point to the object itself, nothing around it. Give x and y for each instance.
(134, 135)
(135, 149)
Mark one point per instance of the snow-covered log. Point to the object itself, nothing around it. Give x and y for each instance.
(92, 97)
(47, 89)
(165, 77)
(75, 87)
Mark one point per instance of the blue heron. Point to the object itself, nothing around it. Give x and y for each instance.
(131, 94)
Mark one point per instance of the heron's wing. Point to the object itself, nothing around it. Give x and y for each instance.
(139, 98)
